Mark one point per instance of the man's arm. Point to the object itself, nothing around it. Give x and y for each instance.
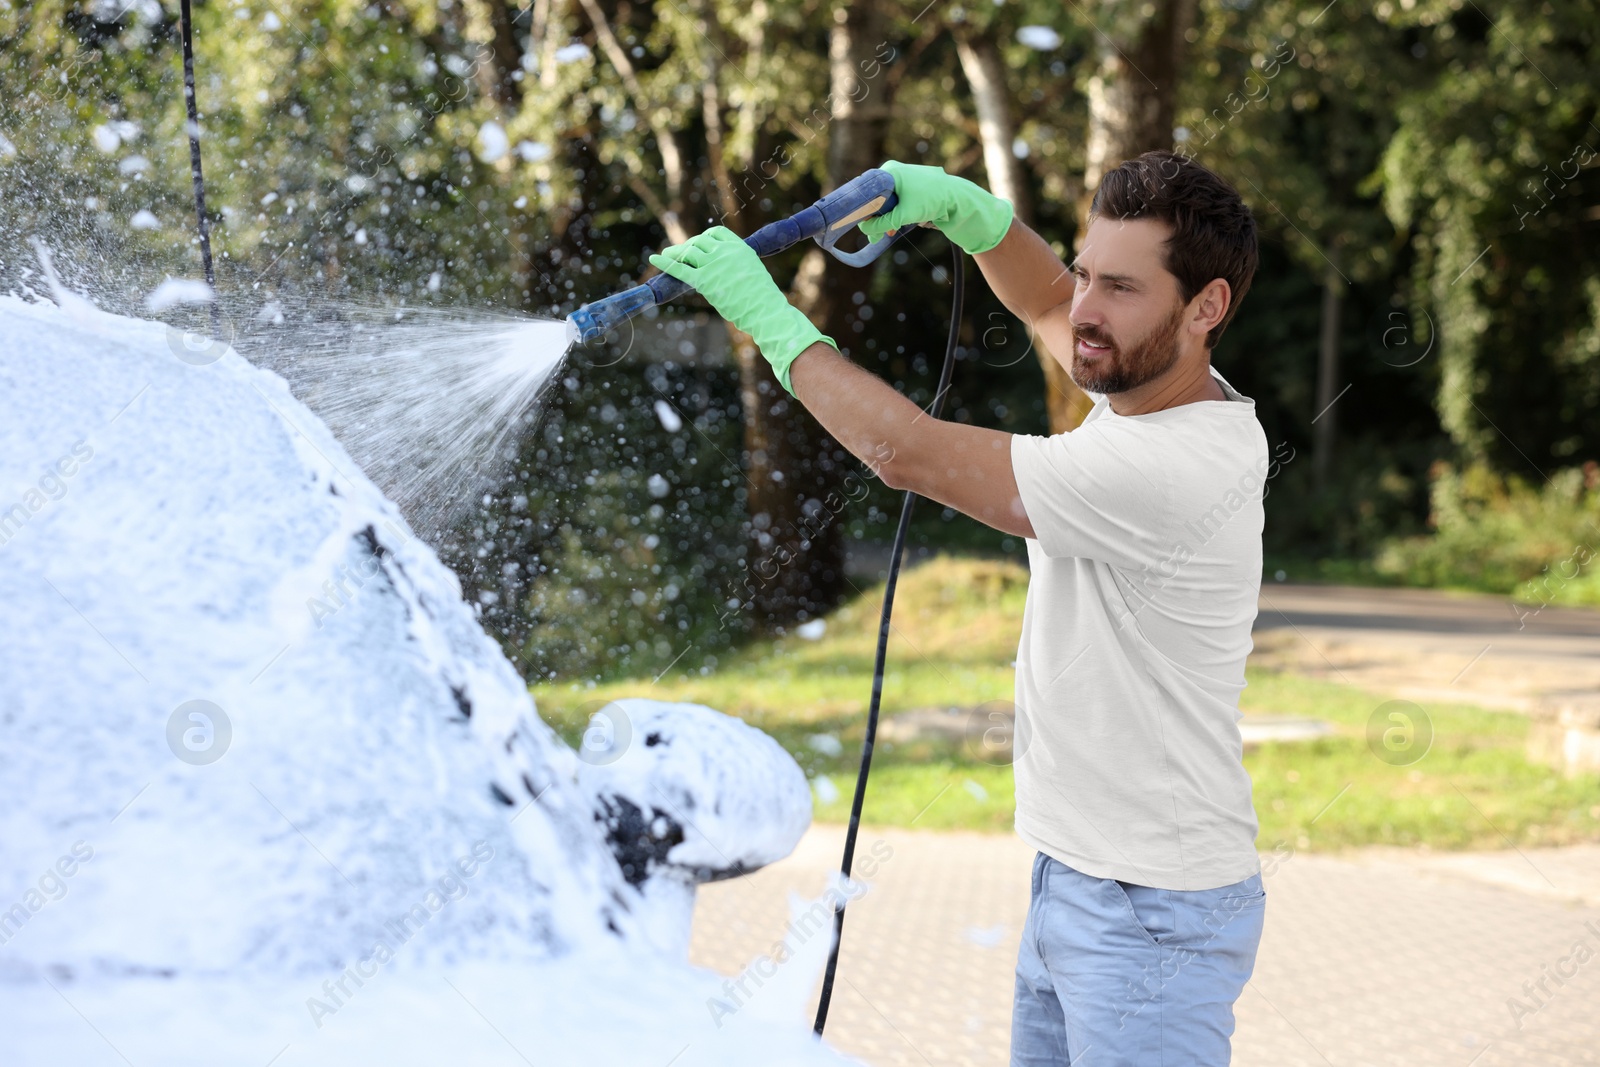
(964, 467)
(1029, 278)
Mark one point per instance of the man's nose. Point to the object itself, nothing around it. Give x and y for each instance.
(1086, 309)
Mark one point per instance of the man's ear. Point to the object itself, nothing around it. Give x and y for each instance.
(1209, 306)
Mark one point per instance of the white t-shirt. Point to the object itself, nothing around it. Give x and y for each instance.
(1144, 579)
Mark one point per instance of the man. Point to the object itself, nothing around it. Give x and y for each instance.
(1144, 545)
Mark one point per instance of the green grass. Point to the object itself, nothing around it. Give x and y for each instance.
(1474, 788)
(956, 629)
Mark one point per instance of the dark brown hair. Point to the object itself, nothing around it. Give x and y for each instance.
(1213, 232)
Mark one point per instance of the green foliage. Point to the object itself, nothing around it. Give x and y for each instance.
(84, 112)
(1370, 498)
(339, 143)
(1492, 174)
(1425, 155)
(1497, 533)
(1293, 102)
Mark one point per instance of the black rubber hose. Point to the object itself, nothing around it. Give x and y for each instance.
(957, 296)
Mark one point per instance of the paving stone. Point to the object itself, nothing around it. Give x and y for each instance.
(1374, 958)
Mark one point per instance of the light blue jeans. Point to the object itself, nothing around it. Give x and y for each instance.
(1111, 974)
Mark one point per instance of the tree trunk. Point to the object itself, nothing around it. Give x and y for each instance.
(857, 136)
(497, 81)
(795, 566)
(1325, 420)
(986, 74)
(1132, 100)
(796, 486)
(1133, 94)
(1066, 404)
(544, 38)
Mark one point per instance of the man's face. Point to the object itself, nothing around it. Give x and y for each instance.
(1127, 312)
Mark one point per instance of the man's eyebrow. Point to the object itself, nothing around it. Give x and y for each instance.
(1120, 279)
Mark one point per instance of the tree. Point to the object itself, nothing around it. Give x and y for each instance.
(1493, 175)
(1137, 55)
(1024, 124)
(722, 110)
(985, 72)
(1132, 98)
(798, 552)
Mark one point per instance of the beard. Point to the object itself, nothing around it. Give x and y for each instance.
(1119, 370)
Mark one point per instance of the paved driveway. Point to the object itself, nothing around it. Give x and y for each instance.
(1374, 958)
(1428, 646)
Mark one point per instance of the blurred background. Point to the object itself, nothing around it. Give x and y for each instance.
(1421, 337)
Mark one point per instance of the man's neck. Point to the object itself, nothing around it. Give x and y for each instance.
(1189, 381)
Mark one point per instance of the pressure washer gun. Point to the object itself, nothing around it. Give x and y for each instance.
(826, 221)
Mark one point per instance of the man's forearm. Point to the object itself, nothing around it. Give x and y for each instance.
(860, 410)
(1027, 276)
(964, 467)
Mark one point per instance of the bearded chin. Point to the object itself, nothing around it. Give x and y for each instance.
(1110, 376)
(1119, 371)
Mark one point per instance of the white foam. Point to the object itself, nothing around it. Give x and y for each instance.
(165, 528)
(175, 291)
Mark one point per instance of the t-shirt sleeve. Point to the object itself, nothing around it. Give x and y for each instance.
(1087, 495)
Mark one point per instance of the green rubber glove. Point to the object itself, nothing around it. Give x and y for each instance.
(968, 214)
(729, 274)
